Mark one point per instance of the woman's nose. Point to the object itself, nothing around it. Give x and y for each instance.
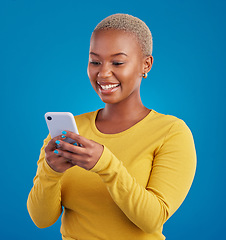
(104, 71)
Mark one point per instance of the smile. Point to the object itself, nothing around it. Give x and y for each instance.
(110, 86)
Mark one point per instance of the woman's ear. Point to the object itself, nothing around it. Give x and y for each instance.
(148, 61)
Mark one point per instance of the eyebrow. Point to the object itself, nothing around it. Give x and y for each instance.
(113, 55)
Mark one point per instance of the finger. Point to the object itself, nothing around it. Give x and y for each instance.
(70, 157)
(52, 143)
(53, 156)
(65, 146)
(78, 138)
(56, 158)
(59, 163)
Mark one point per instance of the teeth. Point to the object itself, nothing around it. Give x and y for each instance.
(106, 87)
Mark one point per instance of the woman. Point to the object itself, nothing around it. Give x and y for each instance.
(131, 167)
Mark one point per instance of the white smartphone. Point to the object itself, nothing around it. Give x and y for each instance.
(60, 121)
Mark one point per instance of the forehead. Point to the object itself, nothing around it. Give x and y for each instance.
(114, 41)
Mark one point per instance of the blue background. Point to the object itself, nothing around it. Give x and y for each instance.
(44, 49)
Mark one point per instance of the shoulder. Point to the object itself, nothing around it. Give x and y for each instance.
(176, 134)
(165, 119)
(85, 116)
(84, 121)
(168, 124)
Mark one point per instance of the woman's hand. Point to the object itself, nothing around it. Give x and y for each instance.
(56, 162)
(61, 155)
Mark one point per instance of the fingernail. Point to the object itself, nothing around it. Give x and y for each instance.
(57, 142)
(63, 136)
(64, 132)
(55, 151)
(76, 144)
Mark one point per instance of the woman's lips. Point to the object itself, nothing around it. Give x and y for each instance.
(108, 88)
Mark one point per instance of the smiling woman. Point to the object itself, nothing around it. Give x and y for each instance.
(131, 167)
(116, 65)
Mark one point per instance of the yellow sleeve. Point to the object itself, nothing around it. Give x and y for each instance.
(44, 200)
(169, 182)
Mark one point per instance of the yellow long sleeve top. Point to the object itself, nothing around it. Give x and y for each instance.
(142, 177)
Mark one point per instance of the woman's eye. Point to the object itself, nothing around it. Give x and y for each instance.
(95, 63)
(117, 63)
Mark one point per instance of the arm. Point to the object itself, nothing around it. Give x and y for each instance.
(170, 180)
(44, 200)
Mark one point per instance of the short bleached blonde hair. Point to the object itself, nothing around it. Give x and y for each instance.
(131, 24)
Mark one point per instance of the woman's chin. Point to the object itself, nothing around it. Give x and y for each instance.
(110, 99)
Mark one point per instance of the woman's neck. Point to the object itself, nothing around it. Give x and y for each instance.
(123, 111)
(115, 119)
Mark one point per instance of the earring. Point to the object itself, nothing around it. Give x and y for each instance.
(145, 75)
